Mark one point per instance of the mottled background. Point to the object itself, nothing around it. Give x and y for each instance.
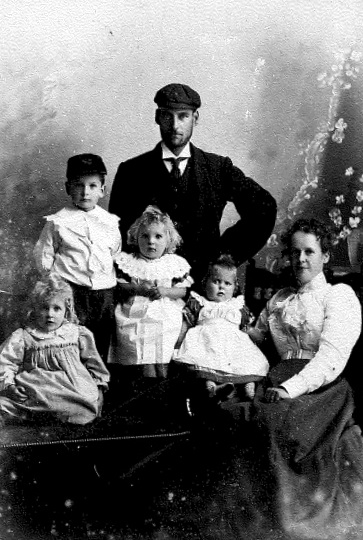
(80, 76)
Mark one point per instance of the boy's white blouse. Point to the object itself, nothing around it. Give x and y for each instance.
(80, 246)
(320, 319)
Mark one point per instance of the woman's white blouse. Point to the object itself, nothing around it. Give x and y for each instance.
(319, 319)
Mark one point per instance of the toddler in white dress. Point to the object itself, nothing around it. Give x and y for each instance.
(152, 282)
(215, 347)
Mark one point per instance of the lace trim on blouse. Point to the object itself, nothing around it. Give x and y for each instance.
(293, 308)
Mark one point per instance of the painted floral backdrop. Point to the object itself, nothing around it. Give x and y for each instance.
(331, 186)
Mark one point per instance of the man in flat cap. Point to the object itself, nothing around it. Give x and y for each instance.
(193, 187)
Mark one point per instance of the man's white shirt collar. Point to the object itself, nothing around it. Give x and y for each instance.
(168, 154)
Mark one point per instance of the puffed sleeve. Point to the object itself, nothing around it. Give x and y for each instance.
(183, 277)
(11, 358)
(341, 329)
(91, 359)
(45, 248)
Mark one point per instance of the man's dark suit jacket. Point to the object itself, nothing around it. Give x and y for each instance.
(208, 183)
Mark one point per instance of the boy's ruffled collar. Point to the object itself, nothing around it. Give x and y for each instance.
(71, 215)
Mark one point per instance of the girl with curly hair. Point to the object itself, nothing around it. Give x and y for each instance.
(50, 369)
(152, 282)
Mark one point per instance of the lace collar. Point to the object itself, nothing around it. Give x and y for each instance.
(236, 301)
(168, 266)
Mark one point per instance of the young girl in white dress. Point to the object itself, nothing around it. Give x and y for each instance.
(51, 368)
(216, 348)
(152, 282)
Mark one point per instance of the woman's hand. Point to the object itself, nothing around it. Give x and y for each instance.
(272, 395)
(16, 393)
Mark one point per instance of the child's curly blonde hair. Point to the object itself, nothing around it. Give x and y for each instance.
(48, 288)
(152, 214)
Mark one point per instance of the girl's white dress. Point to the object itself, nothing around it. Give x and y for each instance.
(146, 330)
(216, 348)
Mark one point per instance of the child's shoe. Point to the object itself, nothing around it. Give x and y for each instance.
(211, 387)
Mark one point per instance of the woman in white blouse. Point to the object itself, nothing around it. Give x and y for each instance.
(304, 411)
(315, 322)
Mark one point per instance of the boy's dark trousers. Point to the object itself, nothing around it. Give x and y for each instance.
(95, 309)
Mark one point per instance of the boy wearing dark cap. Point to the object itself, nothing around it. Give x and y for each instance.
(80, 244)
(193, 187)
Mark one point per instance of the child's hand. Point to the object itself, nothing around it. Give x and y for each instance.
(147, 288)
(159, 292)
(272, 395)
(16, 393)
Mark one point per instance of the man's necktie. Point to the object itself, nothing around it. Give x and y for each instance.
(175, 173)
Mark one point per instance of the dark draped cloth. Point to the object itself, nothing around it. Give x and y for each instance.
(293, 472)
(315, 458)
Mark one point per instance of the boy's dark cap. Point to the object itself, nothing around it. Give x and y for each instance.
(85, 164)
(177, 96)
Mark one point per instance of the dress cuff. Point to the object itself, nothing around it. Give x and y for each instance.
(296, 386)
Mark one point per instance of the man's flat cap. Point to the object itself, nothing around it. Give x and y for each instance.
(177, 96)
(84, 165)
